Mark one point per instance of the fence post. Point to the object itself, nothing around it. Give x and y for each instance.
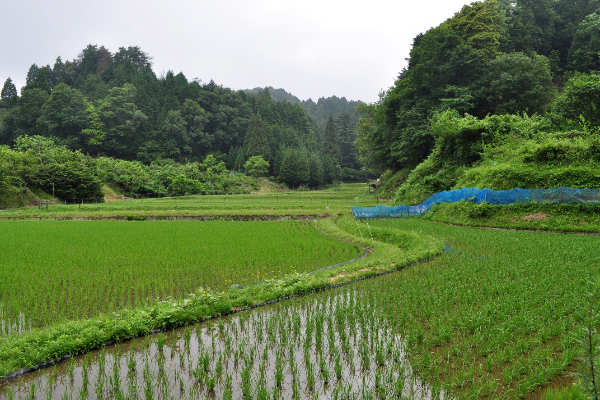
(560, 194)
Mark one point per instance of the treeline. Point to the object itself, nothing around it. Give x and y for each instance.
(493, 58)
(113, 105)
(36, 167)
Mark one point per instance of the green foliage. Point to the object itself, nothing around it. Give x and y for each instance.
(22, 118)
(516, 83)
(588, 339)
(69, 181)
(566, 393)
(295, 168)
(530, 26)
(316, 171)
(182, 185)
(490, 59)
(478, 25)
(581, 98)
(331, 147)
(8, 95)
(573, 217)
(113, 105)
(255, 143)
(63, 114)
(94, 134)
(256, 166)
(346, 139)
(584, 54)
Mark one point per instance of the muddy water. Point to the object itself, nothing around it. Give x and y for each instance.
(332, 347)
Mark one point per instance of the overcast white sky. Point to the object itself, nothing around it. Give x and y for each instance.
(311, 48)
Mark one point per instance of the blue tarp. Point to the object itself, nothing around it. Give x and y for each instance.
(555, 195)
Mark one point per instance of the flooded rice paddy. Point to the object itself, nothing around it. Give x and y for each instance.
(328, 346)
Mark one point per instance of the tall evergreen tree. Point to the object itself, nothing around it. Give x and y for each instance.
(331, 146)
(31, 76)
(240, 160)
(584, 55)
(329, 169)
(295, 168)
(255, 142)
(41, 82)
(316, 170)
(347, 136)
(8, 96)
(231, 156)
(58, 72)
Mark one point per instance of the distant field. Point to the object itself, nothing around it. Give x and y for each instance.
(336, 200)
(52, 270)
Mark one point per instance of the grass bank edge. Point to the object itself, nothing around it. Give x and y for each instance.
(573, 217)
(30, 349)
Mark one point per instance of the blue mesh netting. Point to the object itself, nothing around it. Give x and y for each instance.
(555, 195)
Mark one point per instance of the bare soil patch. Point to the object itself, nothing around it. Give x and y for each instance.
(536, 217)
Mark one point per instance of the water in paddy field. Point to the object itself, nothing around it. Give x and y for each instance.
(332, 347)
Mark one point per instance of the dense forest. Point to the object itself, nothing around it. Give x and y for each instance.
(320, 110)
(112, 106)
(502, 94)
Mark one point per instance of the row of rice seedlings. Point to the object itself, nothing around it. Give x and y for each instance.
(97, 267)
(495, 316)
(333, 346)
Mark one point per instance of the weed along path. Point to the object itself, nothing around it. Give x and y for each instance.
(494, 317)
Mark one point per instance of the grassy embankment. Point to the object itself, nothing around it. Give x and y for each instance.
(501, 153)
(574, 217)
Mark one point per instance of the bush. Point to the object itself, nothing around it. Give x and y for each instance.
(71, 180)
(256, 166)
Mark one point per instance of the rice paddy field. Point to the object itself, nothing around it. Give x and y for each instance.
(335, 201)
(56, 270)
(497, 315)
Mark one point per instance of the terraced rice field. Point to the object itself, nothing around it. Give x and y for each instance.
(56, 270)
(496, 316)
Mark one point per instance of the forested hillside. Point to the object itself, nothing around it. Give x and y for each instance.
(504, 93)
(320, 110)
(113, 107)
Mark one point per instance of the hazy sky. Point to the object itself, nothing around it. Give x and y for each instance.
(311, 48)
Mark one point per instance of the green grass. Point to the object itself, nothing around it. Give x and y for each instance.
(334, 201)
(56, 270)
(575, 217)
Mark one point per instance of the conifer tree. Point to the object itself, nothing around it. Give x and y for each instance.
(331, 146)
(316, 171)
(41, 82)
(329, 169)
(302, 167)
(295, 168)
(240, 160)
(31, 75)
(346, 140)
(256, 143)
(231, 156)
(8, 96)
(58, 72)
